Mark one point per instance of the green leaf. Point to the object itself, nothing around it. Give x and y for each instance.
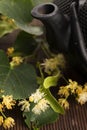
(36, 2)
(20, 11)
(3, 59)
(25, 43)
(6, 26)
(46, 117)
(51, 81)
(19, 82)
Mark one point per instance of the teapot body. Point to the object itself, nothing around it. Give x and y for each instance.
(56, 24)
(65, 22)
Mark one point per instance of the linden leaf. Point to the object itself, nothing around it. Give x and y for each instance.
(20, 11)
(48, 116)
(20, 81)
(25, 44)
(45, 117)
(36, 2)
(6, 26)
(51, 81)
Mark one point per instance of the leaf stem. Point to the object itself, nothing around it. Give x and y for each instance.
(45, 50)
(3, 114)
(65, 79)
(41, 73)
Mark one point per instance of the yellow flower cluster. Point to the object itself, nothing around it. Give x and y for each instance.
(7, 102)
(10, 50)
(69, 89)
(52, 64)
(17, 60)
(5, 18)
(35, 97)
(73, 88)
(64, 103)
(41, 104)
(7, 122)
(25, 105)
(82, 94)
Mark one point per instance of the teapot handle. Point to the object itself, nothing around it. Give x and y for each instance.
(79, 44)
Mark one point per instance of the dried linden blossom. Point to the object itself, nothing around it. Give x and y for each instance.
(53, 63)
(82, 94)
(8, 122)
(1, 120)
(10, 50)
(8, 101)
(72, 88)
(85, 87)
(63, 91)
(41, 106)
(35, 97)
(82, 98)
(17, 60)
(25, 105)
(64, 103)
(1, 107)
(79, 91)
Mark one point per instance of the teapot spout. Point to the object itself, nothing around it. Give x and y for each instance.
(57, 26)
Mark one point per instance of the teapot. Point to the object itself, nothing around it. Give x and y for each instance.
(66, 31)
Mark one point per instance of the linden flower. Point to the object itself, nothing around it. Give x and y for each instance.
(10, 50)
(73, 85)
(17, 60)
(82, 97)
(1, 120)
(8, 101)
(25, 105)
(53, 63)
(63, 91)
(35, 97)
(85, 87)
(31, 99)
(1, 107)
(8, 122)
(79, 90)
(64, 103)
(61, 60)
(41, 106)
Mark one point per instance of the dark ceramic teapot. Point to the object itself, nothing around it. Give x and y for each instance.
(66, 30)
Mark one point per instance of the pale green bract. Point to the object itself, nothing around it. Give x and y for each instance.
(51, 81)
